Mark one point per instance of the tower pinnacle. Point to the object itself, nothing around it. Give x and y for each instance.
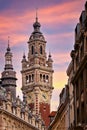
(9, 75)
(8, 48)
(36, 25)
(36, 15)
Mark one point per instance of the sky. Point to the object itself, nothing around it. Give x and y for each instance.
(58, 19)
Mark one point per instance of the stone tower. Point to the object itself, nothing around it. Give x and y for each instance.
(9, 75)
(37, 74)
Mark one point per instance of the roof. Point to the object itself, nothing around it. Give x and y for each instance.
(52, 114)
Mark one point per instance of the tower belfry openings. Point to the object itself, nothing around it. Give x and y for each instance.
(37, 74)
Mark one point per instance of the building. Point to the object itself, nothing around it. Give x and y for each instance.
(9, 75)
(37, 74)
(61, 119)
(71, 95)
(79, 77)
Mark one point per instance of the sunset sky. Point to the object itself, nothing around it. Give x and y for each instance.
(58, 19)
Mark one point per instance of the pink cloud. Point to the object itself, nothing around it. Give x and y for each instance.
(19, 26)
(52, 16)
(55, 37)
(63, 57)
(55, 98)
(61, 13)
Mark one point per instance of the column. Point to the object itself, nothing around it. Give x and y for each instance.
(85, 44)
(85, 93)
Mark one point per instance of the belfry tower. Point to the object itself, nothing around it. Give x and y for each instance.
(37, 74)
(9, 75)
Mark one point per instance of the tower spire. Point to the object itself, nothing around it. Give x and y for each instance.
(36, 14)
(8, 48)
(36, 24)
(9, 75)
(8, 39)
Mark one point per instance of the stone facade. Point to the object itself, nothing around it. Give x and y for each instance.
(61, 119)
(79, 77)
(37, 74)
(15, 115)
(71, 95)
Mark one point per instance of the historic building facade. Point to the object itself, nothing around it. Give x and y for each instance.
(37, 74)
(71, 95)
(14, 113)
(37, 84)
(79, 77)
(61, 119)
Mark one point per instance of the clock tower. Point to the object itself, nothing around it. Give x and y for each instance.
(37, 74)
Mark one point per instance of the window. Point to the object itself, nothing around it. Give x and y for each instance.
(40, 77)
(27, 79)
(32, 50)
(41, 50)
(44, 78)
(32, 77)
(47, 78)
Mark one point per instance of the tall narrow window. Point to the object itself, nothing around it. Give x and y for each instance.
(44, 78)
(47, 78)
(40, 77)
(32, 77)
(41, 50)
(32, 50)
(27, 79)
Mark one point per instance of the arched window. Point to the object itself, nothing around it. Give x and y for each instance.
(32, 77)
(47, 78)
(41, 50)
(27, 80)
(44, 78)
(40, 77)
(32, 50)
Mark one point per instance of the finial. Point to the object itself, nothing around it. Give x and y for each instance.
(8, 48)
(49, 53)
(8, 39)
(24, 56)
(49, 57)
(36, 14)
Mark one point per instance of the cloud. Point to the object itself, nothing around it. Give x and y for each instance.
(58, 20)
(63, 57)
(55, 98)
(61, 13)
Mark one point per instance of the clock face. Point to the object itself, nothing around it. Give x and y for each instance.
(44, 96)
